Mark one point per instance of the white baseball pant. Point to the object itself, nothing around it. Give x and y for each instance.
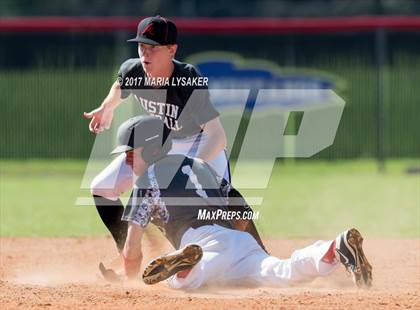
(232, 257)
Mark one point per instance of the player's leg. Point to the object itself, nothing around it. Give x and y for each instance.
(190, 147)
(113, 180)
(222, 249)
(233, 257)
(304, 265)
(221, 165)
(111, 212)
(106, 189)
(215, 243)
(179, 263)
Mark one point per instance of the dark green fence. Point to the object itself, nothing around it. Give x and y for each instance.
(48, 80)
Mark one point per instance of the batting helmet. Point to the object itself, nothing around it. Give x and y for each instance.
(147, 132)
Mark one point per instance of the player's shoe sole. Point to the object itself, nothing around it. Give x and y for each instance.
(167, 265)
(349, 248)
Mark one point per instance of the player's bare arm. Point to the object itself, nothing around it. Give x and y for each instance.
(101, 117)
(131, 257)
(216, 140)
(132, 253)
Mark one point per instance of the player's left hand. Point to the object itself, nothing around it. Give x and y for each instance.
(110, 275)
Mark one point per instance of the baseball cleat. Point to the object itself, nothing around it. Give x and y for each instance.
(350, 251)
(167, 265)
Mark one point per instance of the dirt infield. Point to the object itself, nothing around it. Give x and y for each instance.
(49, 273)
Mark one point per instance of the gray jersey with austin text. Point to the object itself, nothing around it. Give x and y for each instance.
(183, 109)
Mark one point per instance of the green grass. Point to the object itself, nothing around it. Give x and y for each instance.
(322, 198)
(38, 199)
(303, 199)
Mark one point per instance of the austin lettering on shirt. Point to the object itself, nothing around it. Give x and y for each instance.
(166, 111)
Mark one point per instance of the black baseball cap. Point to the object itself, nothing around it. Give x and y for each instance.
(139, 131)
(156, 30)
